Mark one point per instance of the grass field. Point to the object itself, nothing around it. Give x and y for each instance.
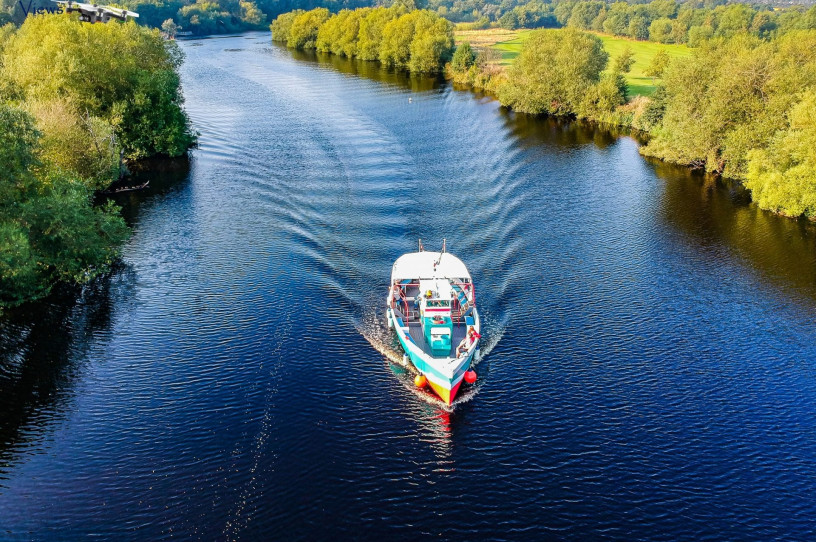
(509, 42)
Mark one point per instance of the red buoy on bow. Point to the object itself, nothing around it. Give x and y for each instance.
(420, 381)
(470, 376)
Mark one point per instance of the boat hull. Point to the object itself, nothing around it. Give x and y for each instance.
(445, 384)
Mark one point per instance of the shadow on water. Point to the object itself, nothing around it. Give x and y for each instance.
(552, 132)
(164, 175)
(39, 345)
(707, 210)
(369, 70)
(40, 340)
(711, 212)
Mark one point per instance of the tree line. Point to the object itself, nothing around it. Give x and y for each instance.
(77, 101)
(741, 107)
(665, 21)
(399, 37)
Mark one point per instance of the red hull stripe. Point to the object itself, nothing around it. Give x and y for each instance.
(444, 393)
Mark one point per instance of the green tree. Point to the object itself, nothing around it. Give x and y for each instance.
(617, 20)
(639, 27)
(734, 19)
(432, 44)
(169, 27)
(602, 99)
(303, 33)
(281, 26)
(349, 39)
(699, 34)
(661, 30)
(584, 13)
(207, 18)
(509, 20)
(129, 81)
(463, 58)
(554, 71)
(371, 30)
(49, 230)
(397, 35)
(329, 34)
(658, 64)
(782, 178)
(251, 15)
(77, 144)
(624, 61)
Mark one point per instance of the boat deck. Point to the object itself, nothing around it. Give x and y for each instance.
(415, 329)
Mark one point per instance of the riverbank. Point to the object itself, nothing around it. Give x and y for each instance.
(508, 43)
(738, 107)
(80, 101)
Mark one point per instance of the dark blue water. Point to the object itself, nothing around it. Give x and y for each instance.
(650, 336)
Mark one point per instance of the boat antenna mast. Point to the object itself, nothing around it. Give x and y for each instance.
(421, 248)
(439, 260)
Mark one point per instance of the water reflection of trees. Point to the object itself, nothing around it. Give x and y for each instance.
(370, 70)
(41, 348)
(548, 131)
(711, 212)
(41, 343)
(706, 209)
(164, 174)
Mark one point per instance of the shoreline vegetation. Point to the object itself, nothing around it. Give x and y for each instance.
(416, 40)
(77, 102)
(739, 105)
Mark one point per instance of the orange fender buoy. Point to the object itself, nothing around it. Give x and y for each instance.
(470, 376)
(420, 381)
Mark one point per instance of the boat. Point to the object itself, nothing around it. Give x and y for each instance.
(119, 190)
(432, 307)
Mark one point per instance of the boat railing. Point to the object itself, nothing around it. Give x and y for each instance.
(470, 301)
(404, 301)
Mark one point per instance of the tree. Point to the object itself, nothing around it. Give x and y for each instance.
(463, 58)
(639, 27)
(130, 81)
(371, 31)
(782, 178)
(397, 35)
(699, 34)
(250, 14)
(661, 30)
(624, 61)
(169, 27)
(717, 106)
(554, 71)
(658, 64)
(617, 20)
(74, 143)
(509, 20)
(49, 230)
(303, 32)
(432, 44)
(281, 26)
(328, 36)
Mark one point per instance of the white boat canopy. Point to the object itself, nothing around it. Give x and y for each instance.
(420, 265)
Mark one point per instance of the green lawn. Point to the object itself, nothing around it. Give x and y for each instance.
(644, 51)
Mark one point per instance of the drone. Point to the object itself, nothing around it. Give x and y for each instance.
(93, 13)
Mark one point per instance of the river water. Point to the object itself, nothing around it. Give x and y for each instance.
(649, 368)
